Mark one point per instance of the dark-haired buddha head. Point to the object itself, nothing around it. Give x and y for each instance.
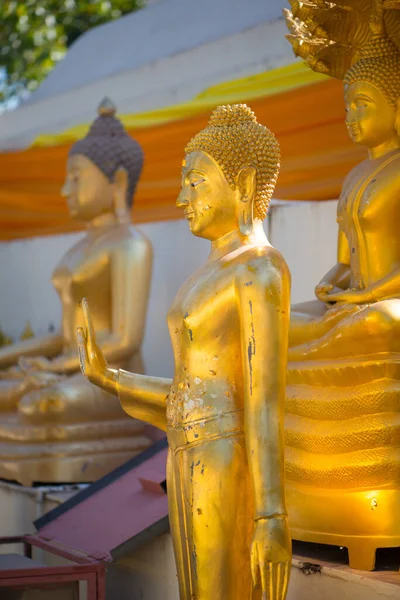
(103, 168)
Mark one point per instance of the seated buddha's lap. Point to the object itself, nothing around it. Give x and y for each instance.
(378, 323)
(74, 399)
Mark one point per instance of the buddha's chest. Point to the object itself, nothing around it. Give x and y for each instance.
(82, 272)
(204, 310)
(369, 203)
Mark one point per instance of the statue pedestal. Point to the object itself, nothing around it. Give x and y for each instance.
(342, 455)
(68, 452)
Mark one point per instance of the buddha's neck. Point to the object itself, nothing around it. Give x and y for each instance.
(385, 148)
(107, 220)
(234, 239)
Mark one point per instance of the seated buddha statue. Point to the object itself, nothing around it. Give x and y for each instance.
(223, 410)
(343, 396)
(54, 425)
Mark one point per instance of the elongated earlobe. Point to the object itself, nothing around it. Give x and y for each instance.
(246, 184)
(245, 216)
(397, 122)
(120, 190)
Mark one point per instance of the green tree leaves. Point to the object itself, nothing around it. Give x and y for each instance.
(35, 34)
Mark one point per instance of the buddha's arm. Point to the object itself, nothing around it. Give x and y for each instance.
(48, 346)
(131, 274)
(141, 396)
(144, 397)
(339, 276)
(264, 309)
(386, 288)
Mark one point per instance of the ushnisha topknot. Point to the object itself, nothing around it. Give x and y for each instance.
(109, 147)
(235, 140)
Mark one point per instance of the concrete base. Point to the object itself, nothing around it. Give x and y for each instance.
(318, 572)
(150, 574)
(322, 573)
(20, 506)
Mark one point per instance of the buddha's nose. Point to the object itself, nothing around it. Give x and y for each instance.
(181, 201)
(66, 189)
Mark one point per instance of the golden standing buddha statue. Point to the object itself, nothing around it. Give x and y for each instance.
(343, 400)
(223, 410)
(54, 425)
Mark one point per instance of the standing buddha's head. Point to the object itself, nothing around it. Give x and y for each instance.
(232, 160)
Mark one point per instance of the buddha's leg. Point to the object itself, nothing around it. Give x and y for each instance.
(177, 523)
(214, 512)
(11, 391)
(73, 399)
(312, 320)
(370, 329)
(305, 320)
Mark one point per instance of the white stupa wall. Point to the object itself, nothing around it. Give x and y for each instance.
(305, 233)
(159, 56)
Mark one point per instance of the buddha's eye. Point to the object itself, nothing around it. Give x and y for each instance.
(196, 183)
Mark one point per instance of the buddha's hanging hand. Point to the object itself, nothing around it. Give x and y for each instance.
(271, 556)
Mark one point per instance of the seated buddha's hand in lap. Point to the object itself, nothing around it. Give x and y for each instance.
(34, 363)
(271, 552)
(324, 288)
(12, 373)
(45, 404)
(93, 363)
(349, 296)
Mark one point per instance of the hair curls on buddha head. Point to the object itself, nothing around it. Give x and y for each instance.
(379, 65)
(235, 140)
(110, 147)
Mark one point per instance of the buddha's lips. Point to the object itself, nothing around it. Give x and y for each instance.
(353, 130)
(188, 214)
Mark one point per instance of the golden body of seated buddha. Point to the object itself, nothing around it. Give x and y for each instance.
(343, 400)
(223, 410)
(54, 425)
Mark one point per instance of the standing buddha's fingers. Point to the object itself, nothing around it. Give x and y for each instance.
(90, 332)
(278, 581)
(285, 580)
(81, 348)
(255, 570)
(266, 576)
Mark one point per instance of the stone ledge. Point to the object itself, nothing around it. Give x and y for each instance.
(320, 573)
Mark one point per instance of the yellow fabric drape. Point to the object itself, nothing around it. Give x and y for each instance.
(308, 121)
(260, 85)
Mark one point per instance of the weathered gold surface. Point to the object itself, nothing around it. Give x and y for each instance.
(223, 411)
(54, 425)
(343, 399)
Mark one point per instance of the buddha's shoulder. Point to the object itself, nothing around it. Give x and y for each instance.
(387, 168)
(128, 238)
(264, 261)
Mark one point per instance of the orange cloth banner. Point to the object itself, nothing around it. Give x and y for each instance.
(308, 122)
